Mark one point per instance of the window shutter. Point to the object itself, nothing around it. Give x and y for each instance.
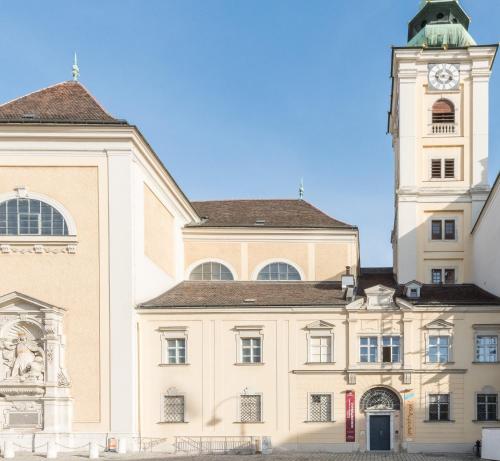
(449, 168)
(436, 168)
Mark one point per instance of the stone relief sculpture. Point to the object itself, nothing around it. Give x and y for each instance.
(22, 358)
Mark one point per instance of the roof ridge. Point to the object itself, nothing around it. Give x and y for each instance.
(251, 200)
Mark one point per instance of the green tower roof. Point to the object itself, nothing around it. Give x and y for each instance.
(440, 23)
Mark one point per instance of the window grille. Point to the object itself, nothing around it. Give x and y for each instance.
(176, 350)
(379, 398)
(436, 168)
(486, 348)
(439, 407)
(21, 216)
(173, 408)
(320, 407)
(368, 351)
(320, 349)
(443, 111)
(211, 271)
(438, 350)
(487, 407)
(449, 168)
(278, 272)
(251, 350)
(250, 408)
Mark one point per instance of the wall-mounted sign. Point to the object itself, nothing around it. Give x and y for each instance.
(410, 419)
(350, 416)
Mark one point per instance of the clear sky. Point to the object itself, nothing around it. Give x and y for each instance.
(241, 99)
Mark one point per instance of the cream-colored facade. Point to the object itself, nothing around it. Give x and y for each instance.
(144, 315)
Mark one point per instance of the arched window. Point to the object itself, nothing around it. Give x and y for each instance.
(379, 398)
(211, 271)
(24, 216)
(278, 271)
(443, 111)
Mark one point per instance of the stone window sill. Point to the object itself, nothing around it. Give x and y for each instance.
(38, 244)
(172, 422)
(486, 363)
(319, 422)
(442, 421)
(486, 421)
(248, 364)
(320, 363)
(173, 364)
(247, 422)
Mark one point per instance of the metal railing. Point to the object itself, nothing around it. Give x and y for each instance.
(216, 445)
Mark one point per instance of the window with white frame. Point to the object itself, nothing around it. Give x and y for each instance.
(439, 407)
(443, 229)
(391, 349)
(24, 216)
(173, 409)
(176, 350)
(368, 349)
(486, 348)
(320, 408)
(438, 349)
(443, 275)
(251, 350)
(211, 270)
(250, 408)
(278, 271)
(320, 349)
(487, 407)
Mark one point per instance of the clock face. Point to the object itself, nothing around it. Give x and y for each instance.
(444, 76)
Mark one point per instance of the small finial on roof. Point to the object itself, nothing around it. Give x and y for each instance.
(76, 69)
(301, 189)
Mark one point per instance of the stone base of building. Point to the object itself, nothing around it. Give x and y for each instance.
(443, 447)
(318, 447)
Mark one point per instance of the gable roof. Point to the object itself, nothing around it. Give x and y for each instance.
(66, 102)
(264, 213)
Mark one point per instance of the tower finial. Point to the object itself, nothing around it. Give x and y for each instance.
(301, 189)
(76, 69)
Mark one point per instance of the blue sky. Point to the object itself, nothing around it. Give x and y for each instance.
(241, 99)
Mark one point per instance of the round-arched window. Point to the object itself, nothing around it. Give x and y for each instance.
(211, 271)
(379, 398)
(24, 216)
(443, 111)
(278, 271)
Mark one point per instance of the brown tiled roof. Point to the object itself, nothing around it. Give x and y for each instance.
(263, 213)
(248, 294)
(66, 102)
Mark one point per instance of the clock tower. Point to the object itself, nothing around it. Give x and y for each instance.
(439, 124)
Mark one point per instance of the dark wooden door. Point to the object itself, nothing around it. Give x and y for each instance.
(380, 432)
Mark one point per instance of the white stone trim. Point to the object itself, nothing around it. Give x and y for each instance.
(198, 262)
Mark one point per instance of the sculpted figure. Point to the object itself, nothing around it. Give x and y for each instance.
(6, 358)
(25, 355)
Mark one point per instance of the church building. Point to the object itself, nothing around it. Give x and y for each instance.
(130, 312)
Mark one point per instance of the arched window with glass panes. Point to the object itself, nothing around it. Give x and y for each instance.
(25, 216)
(278, 271)
(211, 270)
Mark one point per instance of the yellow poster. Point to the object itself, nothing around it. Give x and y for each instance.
(410, 419)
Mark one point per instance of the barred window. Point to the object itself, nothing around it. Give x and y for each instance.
(438, 349)
(22, 216)
(250, 408)
(176, 350)
(279, 272)
(173, 408)
(320, 407)
(486, 348)
(211, 271)
(368, 350)
(251, 350)
(487, 407)
(320, 349)
(439, 407)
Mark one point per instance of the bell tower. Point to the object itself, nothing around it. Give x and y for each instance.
(439, 125)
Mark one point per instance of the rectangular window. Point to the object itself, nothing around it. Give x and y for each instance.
(487, 407)
(486, 348)
(437, 229)
(436, 168)
(449, 229)
(176, 350)
(173, 408)
(437, 276)
(443, 276)
(320, 349)
(320, 407)
(250, 408)
(368, 349)
(438, 349)
(449, 276)
(449, 168)
(251, 350)
(391, 349)
(439, 407)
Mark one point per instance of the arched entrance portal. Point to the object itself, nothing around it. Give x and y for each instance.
(381, 407)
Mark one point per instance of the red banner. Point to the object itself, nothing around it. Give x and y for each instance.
(350, 417)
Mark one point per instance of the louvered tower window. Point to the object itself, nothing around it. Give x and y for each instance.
(443, 111)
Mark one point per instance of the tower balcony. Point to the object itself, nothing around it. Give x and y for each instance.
(444, 129)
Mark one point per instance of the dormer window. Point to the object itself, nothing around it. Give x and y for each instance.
(412, 289)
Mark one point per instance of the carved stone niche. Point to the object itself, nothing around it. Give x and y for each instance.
(34, 384)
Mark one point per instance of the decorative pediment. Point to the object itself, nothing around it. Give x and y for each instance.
(319, 325)
(439, 324)
(380, 297)
(18, 302)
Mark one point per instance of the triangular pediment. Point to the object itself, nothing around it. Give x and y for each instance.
(320, 325)
(380, 297)
(379, 290)
(18, 302)
(439, 325)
